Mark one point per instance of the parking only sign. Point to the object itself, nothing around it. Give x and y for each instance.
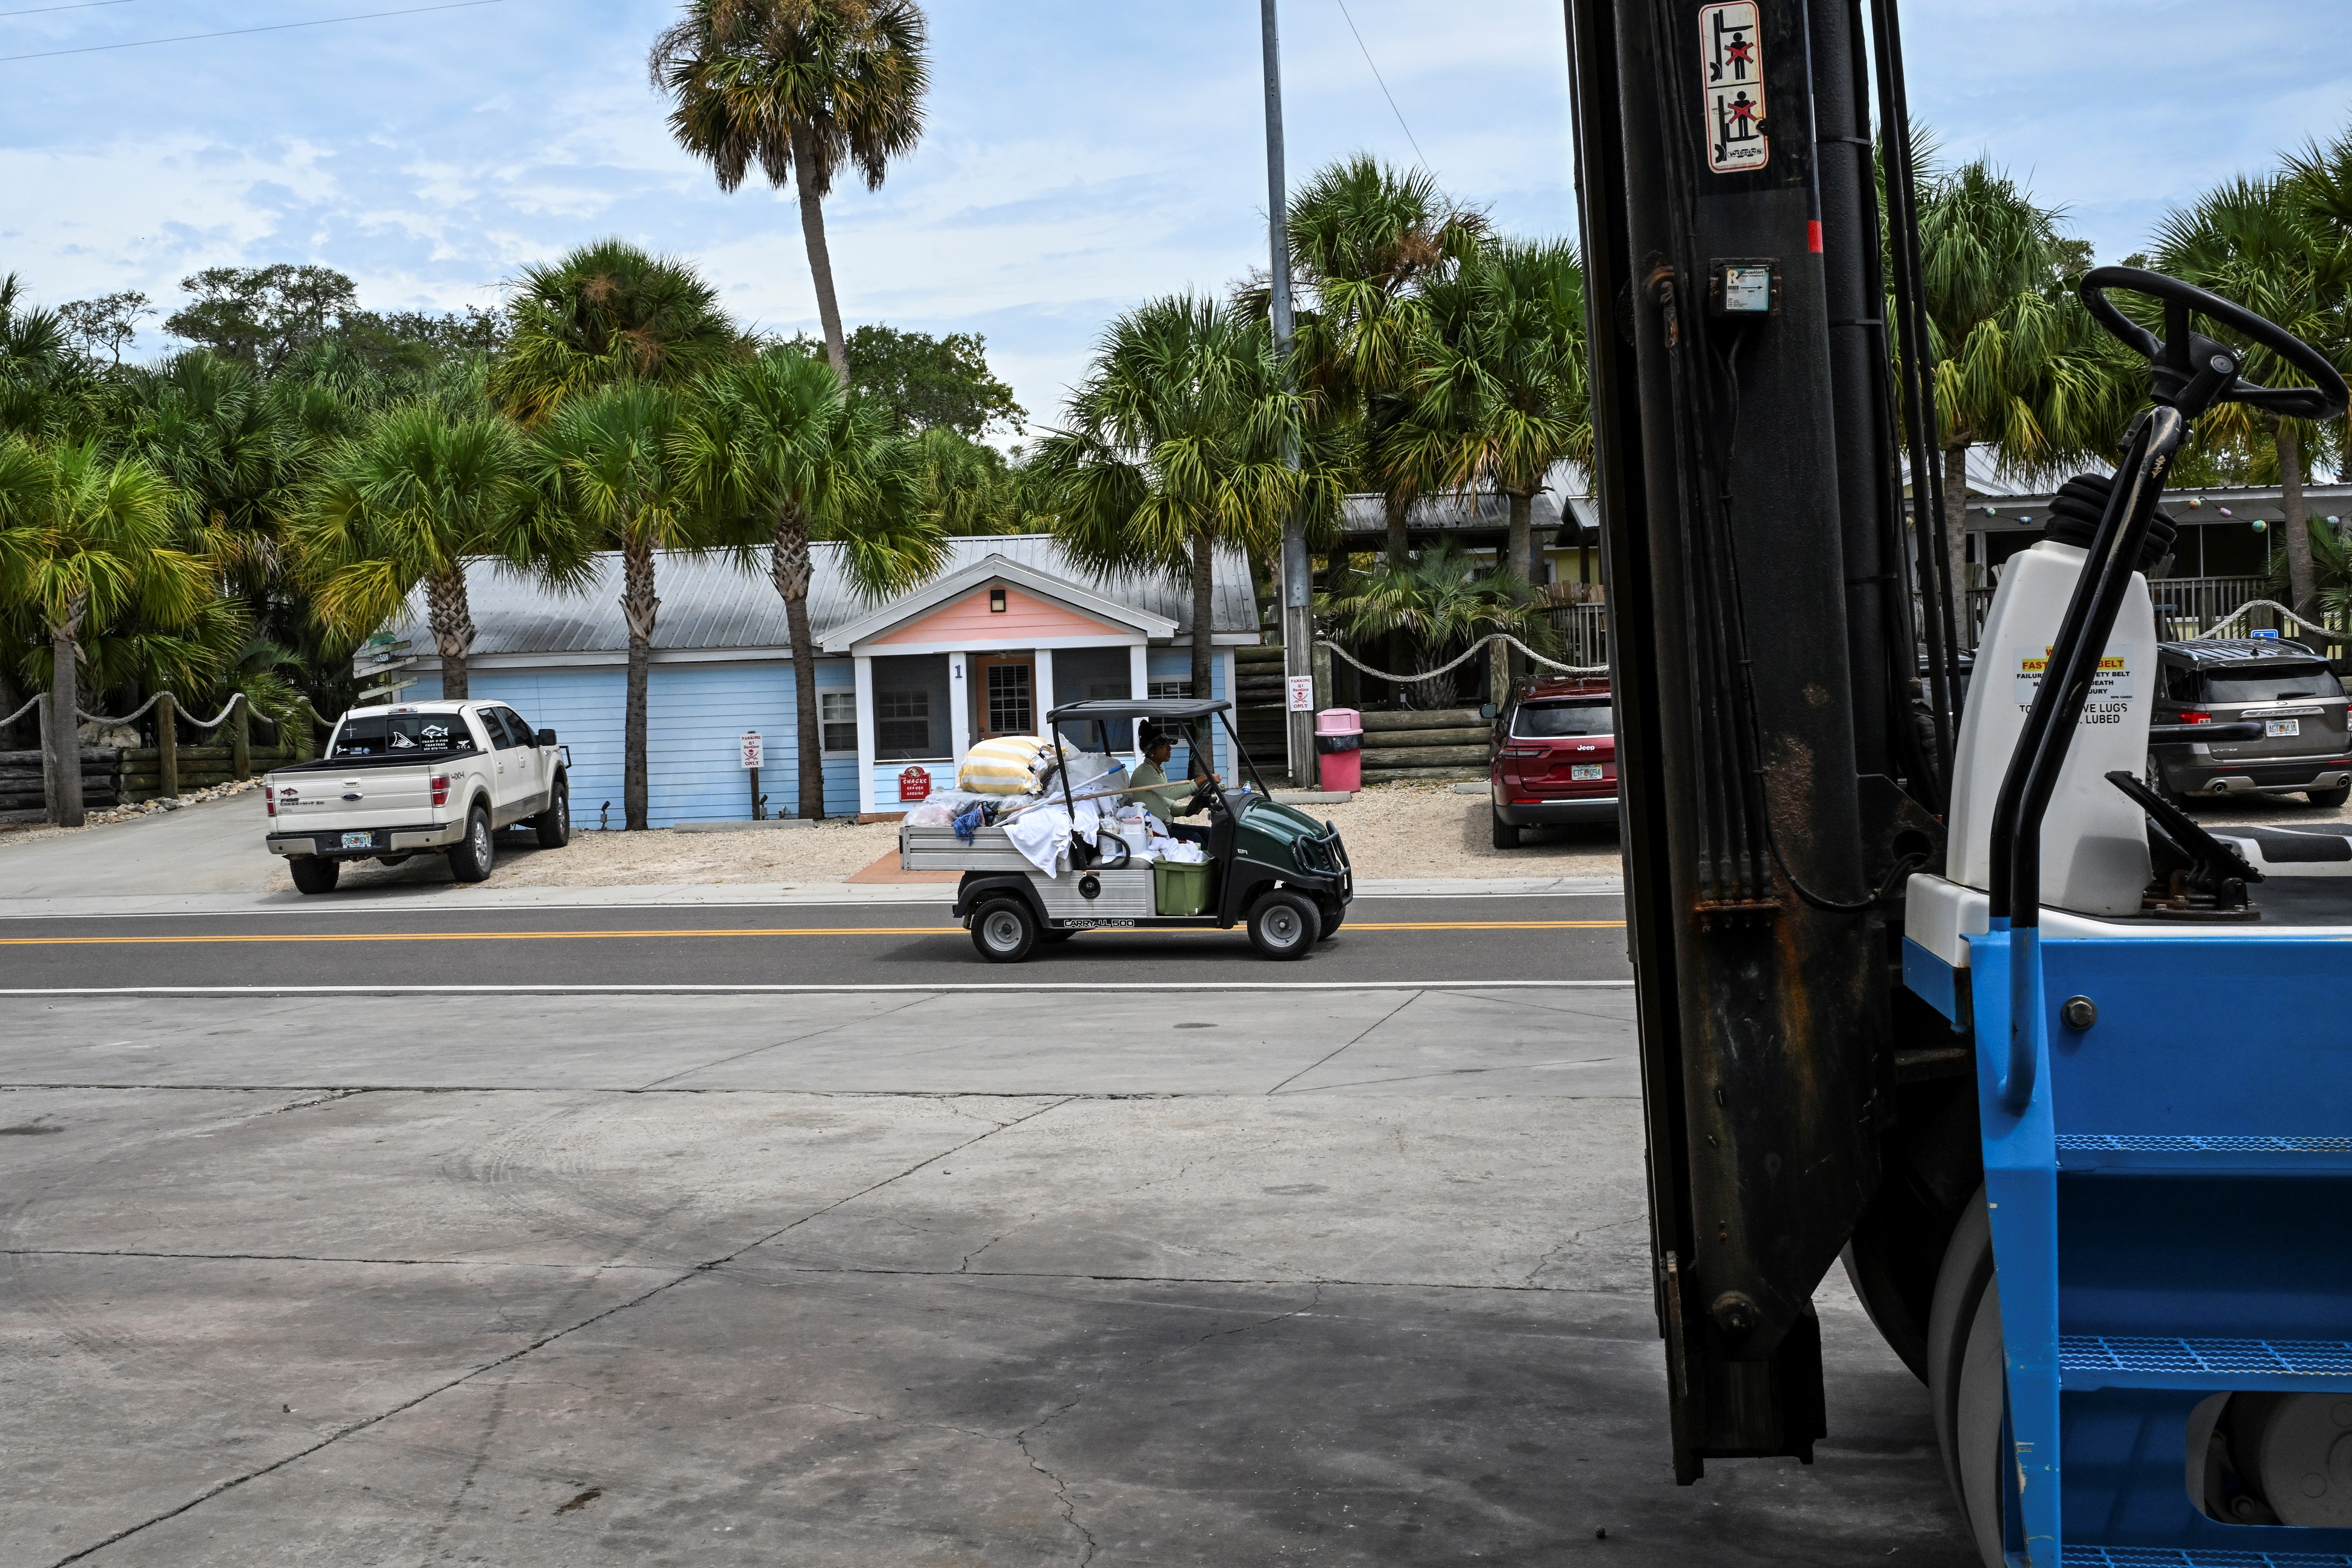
(1302, 694)
(754, 749)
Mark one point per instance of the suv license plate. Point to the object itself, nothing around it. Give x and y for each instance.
(359, 841)
(1579, 772)
(2281, 727)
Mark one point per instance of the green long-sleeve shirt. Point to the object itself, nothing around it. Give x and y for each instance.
(1150, 788)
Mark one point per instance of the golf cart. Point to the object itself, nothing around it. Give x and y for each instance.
(1267, 864)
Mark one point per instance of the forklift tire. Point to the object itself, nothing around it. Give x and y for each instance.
(1506, 836)
(1004, 930)
(315, 873)
(554, 824)
(1284, 925)
(1967, 1311)
(2328, 799)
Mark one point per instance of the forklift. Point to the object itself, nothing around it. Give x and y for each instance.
(1934, 985)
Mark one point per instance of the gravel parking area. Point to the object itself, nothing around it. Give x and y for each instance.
(1391, 830)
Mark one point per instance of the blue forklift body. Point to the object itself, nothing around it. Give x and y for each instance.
(2171, 1197)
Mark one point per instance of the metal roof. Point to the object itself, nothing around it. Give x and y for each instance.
(1449, 513)
(2243, 650)
(712, 603)
(2213, 506)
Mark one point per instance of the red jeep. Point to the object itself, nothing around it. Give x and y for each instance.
(1555, 758)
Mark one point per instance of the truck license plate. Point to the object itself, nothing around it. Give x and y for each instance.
(2281, 727)
(1581, 771)
(359, 841)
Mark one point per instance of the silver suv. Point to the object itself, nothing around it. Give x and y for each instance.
(2285, 686)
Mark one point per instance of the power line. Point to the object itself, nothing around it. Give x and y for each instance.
(1384, 85)
(240, 32)
(77, 6)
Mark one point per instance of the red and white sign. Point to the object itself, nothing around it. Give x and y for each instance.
(1731, 69)
(754, 749)
(913, 784)
(1302, 694)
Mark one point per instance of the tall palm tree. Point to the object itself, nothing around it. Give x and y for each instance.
(2018, 364)
(800, 87)
(1365, 241)
(1500, 394)
(1176, 449)
(85, 538)
(412, 501)
(605, 314)
(2251, 240)
(608, 469)
(777, 452)
(2320, 184)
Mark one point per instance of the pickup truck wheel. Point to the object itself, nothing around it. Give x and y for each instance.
(470, 858)
(1004, 930)
(1284, 925)
(315, 873)
(554, 824)
(1506, 836)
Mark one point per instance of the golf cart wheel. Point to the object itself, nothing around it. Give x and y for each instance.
(315, 873)
(1004, 930)
(471, 857)
(554, 824)
(1506, 836)
(1334, 913)
(2328, 799)
(1284, 925)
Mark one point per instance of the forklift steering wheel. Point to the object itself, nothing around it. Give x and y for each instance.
(2179, 358)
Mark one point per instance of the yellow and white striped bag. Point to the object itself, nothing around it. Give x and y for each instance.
(1009, 764)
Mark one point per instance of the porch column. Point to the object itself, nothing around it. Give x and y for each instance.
(1138, 670)
(1042, 661)
(863, 664)
(958, 713)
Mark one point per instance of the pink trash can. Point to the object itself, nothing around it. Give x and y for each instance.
(1339, 749)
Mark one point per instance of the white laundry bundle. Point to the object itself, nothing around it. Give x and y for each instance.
(1043, 833)
(1182, 852)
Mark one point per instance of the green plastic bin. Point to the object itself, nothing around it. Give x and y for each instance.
(1179, 890)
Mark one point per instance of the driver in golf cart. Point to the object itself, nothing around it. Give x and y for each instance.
(1164, 800)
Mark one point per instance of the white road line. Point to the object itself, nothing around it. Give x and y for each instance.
(1137, 985)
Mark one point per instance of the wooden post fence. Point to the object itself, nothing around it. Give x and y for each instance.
(167, 747)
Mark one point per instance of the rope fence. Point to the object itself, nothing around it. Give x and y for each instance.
(2332, 633)
(1471, 652)
(38, 698)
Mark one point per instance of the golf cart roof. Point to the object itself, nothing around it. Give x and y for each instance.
(1177, 708)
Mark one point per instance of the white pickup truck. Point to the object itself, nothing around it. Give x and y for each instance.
(401, 781)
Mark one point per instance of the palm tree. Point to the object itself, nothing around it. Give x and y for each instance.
(778, 452)
(1435, 601)
(2320, 184)
(2252, 241)
(85, 538)
(800, 87)
(1365, 241)
(1176, 449)
(1500, 394)
(608, 471)
(2018, 364)
(605, 314)
(415, 499)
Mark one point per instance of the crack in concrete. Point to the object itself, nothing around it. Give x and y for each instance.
(777, 1044)
(1061, 1488)
(1367, 1029)
(541, 1343)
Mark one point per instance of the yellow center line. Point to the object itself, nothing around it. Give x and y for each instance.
(690, 932)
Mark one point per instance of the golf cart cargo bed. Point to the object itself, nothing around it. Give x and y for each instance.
(939, 849)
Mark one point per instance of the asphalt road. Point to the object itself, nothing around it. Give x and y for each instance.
(1387, 941)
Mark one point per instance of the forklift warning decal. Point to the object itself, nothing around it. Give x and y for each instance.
(2112, 689)
(1734, 79)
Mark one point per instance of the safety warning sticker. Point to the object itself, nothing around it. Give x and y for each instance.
(1733, 73)
(2112, 689)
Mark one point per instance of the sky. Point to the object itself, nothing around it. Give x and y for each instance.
(1078, 157)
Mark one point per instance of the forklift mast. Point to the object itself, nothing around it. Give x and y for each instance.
(1785, 745)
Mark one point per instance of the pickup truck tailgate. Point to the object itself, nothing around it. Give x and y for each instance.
(361, 798)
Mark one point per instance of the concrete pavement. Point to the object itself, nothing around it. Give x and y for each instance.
(862, 1279)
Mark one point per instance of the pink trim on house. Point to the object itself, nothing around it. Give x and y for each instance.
(969, 622)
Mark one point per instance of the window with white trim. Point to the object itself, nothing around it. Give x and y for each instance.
(836, 713)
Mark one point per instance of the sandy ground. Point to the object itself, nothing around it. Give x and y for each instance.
(1391, 830)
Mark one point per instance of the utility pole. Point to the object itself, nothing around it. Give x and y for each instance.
(1297, 578)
